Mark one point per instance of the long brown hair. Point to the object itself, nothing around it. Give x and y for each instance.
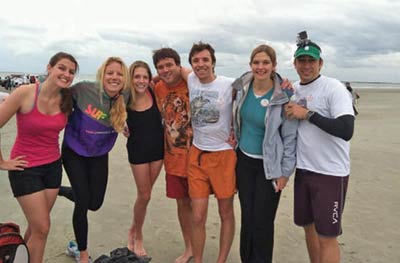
(118, 109)
(66, 94)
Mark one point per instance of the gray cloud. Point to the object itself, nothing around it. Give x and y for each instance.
(360, 39)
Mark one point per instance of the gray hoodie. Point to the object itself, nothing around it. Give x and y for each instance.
(279, 144)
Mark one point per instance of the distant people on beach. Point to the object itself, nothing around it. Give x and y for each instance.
(266, 152)
(145, 147)
(354, 96)
(172, 97)
(32, 79)
(211, 160)
(15, 80)
(92, 129)
(34, 166)
(326, 116)
(6, 83)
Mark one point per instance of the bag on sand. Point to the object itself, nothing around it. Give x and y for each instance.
(122, 255)
(12, 245)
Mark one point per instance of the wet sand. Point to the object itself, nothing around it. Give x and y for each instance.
(371, 216)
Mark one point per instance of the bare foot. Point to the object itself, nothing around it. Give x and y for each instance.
(185, 258)
(84, 256)
(138, 248)
(131, 240)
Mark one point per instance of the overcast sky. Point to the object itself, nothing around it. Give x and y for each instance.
(360, 39)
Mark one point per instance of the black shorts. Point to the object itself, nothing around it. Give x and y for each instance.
(319, 199)
(35, 179)
(137, 155)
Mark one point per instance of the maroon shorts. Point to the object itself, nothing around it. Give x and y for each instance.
(319, 199)
(177, 186)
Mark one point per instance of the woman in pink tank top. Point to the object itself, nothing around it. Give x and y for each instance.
(34, 165)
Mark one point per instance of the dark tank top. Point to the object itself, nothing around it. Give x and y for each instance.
(146, 141)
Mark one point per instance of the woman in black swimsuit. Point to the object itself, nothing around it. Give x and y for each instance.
(145, 148)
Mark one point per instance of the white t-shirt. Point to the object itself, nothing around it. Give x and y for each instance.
(211, 110)
(317, 150)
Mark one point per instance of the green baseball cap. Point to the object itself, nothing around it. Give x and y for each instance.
(310, 49)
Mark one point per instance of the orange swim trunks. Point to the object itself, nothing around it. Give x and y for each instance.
(211, 172)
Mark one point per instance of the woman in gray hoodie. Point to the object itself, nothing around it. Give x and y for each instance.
(266, 152)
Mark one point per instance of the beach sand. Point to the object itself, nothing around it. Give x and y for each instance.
(370, 224)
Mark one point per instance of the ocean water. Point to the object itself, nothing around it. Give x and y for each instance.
(81, 77)
(354, 84)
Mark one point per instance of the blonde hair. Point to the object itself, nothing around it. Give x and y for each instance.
(118, 110)
(132, 68)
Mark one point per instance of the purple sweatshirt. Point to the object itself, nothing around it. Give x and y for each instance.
(89, 132)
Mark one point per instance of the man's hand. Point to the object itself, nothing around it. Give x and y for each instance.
(286, 84)
(185, 73)
(17, 163)
(154, 81)
(232, 140)
(294, 111)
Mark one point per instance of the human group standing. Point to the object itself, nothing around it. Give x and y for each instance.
(213, 134)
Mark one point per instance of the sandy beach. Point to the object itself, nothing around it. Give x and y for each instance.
(371, 215)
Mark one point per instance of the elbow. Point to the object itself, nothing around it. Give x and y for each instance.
(348, 135)
(347, 138)
(348, 128)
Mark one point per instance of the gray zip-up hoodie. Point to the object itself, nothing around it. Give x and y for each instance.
(279, 144)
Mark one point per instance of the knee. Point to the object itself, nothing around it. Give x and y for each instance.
(94, 203)
(310, 230)
(144, 197)
(95, 206)
(226, 214)
(82, 202)
(184, 203)
(199, 219)
(41, 230)
(327, 242)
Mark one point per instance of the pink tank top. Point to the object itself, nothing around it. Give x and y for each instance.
(37, 135)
